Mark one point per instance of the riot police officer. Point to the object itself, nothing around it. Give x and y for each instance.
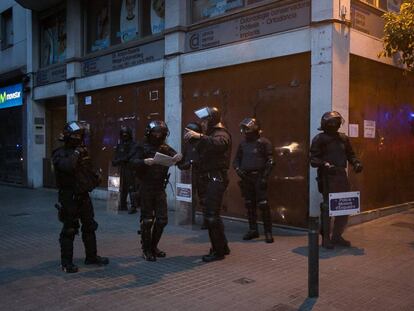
(154, 178)
(253, 164)
(75, 178)
(191, 161)
(128, 184)
(214, 149)
(329, 152)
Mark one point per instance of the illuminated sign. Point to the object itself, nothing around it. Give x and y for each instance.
(11, 96)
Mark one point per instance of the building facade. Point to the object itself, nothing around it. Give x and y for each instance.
(286, 62)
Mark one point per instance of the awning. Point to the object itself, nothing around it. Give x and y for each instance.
(38, 5)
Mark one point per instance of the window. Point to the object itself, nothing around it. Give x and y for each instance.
(382, 4)
(7, 28)
(204, 9)
(53, 38)
(120, 21)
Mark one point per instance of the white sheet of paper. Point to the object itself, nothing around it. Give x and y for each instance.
(163, 159)
(369, 129)
(353, 130)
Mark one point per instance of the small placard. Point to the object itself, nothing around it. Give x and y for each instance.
(88, 100)
(369, 129)
(344, 203)
(353, 130)
(113, 183)
(184, 192)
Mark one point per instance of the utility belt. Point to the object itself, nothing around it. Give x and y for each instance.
(216, 175)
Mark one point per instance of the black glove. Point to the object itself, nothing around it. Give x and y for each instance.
(263, 183)
(241, 173)
(358, 167)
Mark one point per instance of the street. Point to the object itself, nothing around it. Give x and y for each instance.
(377, 273)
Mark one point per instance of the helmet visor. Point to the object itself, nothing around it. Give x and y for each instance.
(202, 113)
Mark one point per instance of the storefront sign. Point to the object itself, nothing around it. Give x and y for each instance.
(250, 26)
(11, 96)
(50, 75)
(184, 192)
(122, 59)
(344, 203)
(366, 21)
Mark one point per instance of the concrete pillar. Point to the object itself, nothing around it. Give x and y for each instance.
(330, 44)
(73, 52)
(34, 111)
(176, 16)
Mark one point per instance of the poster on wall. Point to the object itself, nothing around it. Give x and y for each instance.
(203, 9)
(394, 5)
(353, 130)
(369, 129)
(53, 39)
(102, 29)
(157, 16)
(129, 21)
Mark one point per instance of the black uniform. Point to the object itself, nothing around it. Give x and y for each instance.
(329, 152)
(214, 150)
(75, 178)
(128, 181)
(154, 213)
(254, 163)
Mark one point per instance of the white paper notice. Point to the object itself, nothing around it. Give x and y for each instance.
(163, 159)
(369, 129)
(353, 130)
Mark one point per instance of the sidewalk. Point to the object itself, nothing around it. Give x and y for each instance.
(376, 274)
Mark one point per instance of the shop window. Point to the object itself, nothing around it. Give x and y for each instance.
(204, 9)
(120, 21)
(53, 38)
(381, 4)
(7, 28)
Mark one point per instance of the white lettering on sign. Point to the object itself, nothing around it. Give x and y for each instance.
(13, 95)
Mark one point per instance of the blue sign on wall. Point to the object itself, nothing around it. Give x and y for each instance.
(11, 96)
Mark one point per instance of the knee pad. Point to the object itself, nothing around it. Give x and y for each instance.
(147, 222)
(90, 227)
(69, 232)
(161, 222)
(212, 222)
(263, 205)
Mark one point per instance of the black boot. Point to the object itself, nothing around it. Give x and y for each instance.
(250, 235)
(340, 241)
(212, 256)
(269, 237)
(146, 238)
(226, 250)
(97, 260)
(327, 243)
(69, 268)
(156, 237)
(148, 255)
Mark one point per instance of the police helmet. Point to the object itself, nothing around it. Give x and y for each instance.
(125, 130)
(249, 125)
(75, 131)
(157, 126)
(211, 114)
(331, 120)
(194, 126)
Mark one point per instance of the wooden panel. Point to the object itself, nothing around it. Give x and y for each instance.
(383, 94)
(132, 105)
(278, 92)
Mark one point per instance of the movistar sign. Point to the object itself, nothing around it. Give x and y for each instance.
(11, 96)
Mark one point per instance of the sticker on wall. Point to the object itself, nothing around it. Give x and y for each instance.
(369, 129)
(153, 95)
(88, 100)
(353, 130)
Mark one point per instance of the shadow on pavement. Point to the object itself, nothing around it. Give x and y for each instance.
(143, 273)
(308, 304)
(326, 254)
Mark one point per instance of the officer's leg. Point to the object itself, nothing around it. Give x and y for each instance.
(202, 192)
(147, 221)
(248, 192)
(263, 204)
(339, 228)
(69, 217)
(326, 226)
(132, 190)
(89, 226)
(161, 220)
(123, 193)
(214, 198)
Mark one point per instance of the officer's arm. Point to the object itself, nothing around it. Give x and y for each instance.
(137, 159)
(238, 158)
(185, 163)
(116, 161)
(219, 141)
(316, 152)
(269, 158)
(350, 155)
